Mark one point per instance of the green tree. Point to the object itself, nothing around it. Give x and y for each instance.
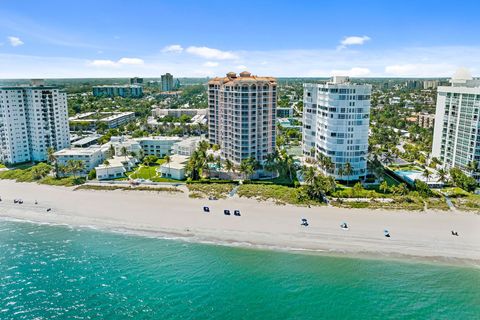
(106, 163)
(442, 175)
(309, 173)
(75, 166)
(124, 152)
(270, 164)
(348, 170)
(52, 159)
(384, 187)
(167, 161)
(426, 174)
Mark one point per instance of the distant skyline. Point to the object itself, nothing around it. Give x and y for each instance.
(58, 39)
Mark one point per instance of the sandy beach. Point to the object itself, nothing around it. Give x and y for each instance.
(423, 235)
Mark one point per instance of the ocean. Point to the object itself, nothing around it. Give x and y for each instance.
(59, 272)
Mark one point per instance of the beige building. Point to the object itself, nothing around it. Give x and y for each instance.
(426, 120)
(241, 115)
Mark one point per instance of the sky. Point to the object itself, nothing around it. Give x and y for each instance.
(146, 38)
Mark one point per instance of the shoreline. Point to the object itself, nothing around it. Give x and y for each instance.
(190, 238)
(418, 236)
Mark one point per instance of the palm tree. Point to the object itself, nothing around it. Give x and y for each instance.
(270, 164)
(167, 161)
(228, 165)
(203, 145)
(426, 174)
(328, 164)
(52, 159)
(106, 163)
(124, 152)
(442, 175)
(111, 151)
(402, 189)
(309, 174)
(312, 152)
(473, 166)
(388, 157)
(383, 187)
(340, 171)
(246, 168)
(348, 170)
(75, 166)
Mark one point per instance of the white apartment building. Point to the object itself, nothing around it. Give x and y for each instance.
(91, 156)
(241, 115)
(158, 112)
(32, 119)
(175, 169)
(187, 146)
(158, 146)
(456, 136)
(116, 168)
(336, 118)
(120, 142)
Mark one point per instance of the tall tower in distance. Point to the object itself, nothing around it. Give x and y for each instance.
(167, 82)
(456, 136)
(241, 115)
(336, 118)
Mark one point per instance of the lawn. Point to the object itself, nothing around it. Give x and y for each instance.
(144, 172)
(150, 173)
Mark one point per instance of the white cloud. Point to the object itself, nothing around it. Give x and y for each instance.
(420, 69)
(102, 63)
(174, 48)
(210, 64)
(211, 53)
(15, 41)
(353, 72)
(353, 40)
(241, 67)
(115, 64)
(396, 62)
(134, 61)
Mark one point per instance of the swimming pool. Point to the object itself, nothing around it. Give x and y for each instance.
(409, 175)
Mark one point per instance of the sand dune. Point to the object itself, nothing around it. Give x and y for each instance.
(423, 235)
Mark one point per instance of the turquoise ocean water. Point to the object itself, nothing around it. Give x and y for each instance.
(57, 272)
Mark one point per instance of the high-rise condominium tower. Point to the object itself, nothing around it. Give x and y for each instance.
(456, 137)
(241, 115)
(167, 82)
(336, 118)
(32, 119)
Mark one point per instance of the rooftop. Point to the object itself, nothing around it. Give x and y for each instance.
(116, 161)
(244, 77)
(176, 162)
(78, 151)
(86, 140)
(159, 138)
